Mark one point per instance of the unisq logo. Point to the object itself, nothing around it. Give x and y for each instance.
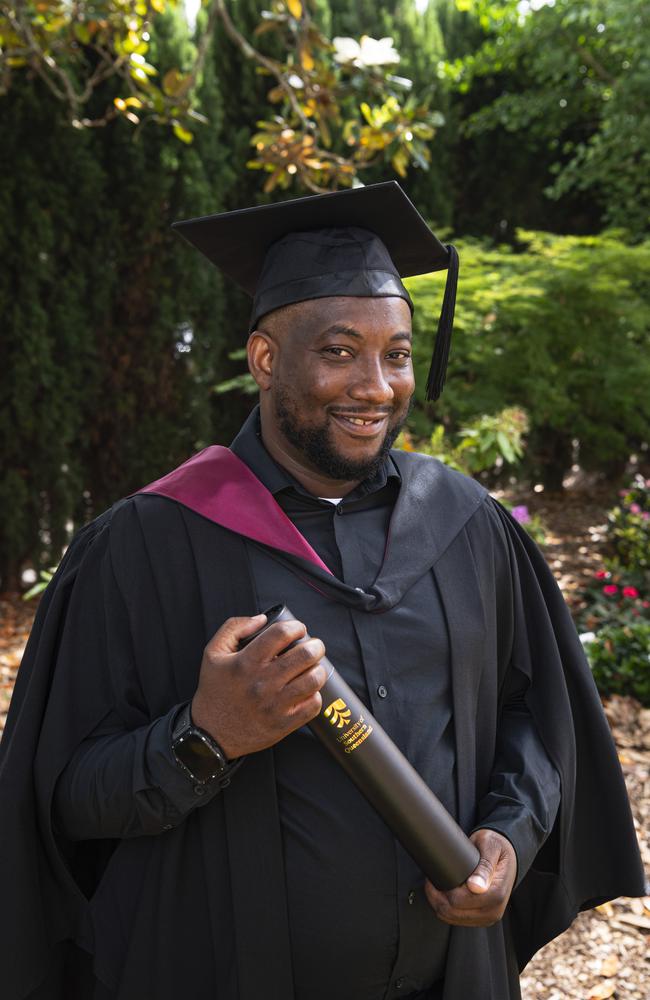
(338, 713)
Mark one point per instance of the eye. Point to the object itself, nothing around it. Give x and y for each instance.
(338, 352)
(401, 355)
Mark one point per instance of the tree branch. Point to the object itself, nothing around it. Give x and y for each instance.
(252, 53)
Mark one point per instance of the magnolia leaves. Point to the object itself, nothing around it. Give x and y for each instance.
(340, 109)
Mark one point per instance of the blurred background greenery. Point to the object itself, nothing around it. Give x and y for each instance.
(521, 130)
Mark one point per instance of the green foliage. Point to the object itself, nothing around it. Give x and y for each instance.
(75, 48)
(418, 38)
(619, 656)
(112, 326)
(615, 597)
(561, 328)
(629, 528)
(44, 578)
(482, 444)
(575, 77)
(341, 107)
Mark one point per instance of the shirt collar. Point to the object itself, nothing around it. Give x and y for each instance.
(248, 446)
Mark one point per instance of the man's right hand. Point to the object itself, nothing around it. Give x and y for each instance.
(249, 699)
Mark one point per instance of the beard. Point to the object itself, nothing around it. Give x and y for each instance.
(317, 446)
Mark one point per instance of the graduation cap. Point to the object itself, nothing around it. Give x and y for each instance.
(359, 241)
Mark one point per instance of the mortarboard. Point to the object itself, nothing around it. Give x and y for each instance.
(359, 241)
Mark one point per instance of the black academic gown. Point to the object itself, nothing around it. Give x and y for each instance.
(200, 909)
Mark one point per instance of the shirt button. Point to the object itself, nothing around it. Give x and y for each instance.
(167, 826)
(399, 983)
(382, 691)
(411, 897)
(199, 790)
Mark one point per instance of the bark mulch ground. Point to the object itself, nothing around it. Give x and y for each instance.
(605, 952)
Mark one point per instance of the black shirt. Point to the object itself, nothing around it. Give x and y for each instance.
(353, 892)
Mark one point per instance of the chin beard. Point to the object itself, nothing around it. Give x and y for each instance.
(316, 445)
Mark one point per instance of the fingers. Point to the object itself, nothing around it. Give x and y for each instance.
(305, 686)
(482, 899)
(227, 638)
(481, 878)
(274, 641)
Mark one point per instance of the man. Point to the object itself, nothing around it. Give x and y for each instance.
(171, 827)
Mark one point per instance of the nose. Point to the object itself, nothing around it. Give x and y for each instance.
(371, 384)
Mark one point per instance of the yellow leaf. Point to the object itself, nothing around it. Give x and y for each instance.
(183, 134)
(133, 102)
(603, 991)
(295, 8)
(120, 103)
(158, 5)
(609, 966)
(273, 181)
(399, 163)
(172, 82)
(307, 59)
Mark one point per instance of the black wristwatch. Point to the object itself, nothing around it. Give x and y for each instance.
(195, 751)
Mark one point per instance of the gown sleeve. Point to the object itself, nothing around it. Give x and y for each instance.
(127, 784)
(524, 796)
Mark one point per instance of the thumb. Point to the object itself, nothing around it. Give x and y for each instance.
(481, 878)
(227, 638)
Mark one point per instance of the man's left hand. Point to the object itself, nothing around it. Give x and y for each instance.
(482, 899)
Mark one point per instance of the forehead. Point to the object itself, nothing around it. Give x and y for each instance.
(371, 314)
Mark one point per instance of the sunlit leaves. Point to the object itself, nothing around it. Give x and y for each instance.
(75, 47)
(340, 110)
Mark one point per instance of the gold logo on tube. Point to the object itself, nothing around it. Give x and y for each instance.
(338, 713)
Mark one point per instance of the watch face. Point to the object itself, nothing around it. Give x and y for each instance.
(198, 757)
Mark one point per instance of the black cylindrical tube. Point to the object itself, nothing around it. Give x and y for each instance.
(387, 779)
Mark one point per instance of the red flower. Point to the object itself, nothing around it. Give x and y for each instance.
(630, 592)
(602, 574)
(610, 589)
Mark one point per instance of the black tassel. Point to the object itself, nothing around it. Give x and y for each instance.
(438, 369)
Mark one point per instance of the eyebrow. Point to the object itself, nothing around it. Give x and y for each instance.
(350, 331)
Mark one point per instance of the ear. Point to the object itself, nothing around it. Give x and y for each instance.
(261, 351)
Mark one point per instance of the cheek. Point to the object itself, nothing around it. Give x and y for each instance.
(403, 384)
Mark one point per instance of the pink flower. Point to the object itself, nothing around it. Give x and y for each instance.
(646, 604)
(602, 574)
(646, 515)
(610, 589)
(521, 514)
(634, 508)
(630, 592)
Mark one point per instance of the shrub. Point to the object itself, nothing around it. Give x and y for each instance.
(560, 326)
(613, 598)
(616, 616)
(480, 445)
(620, 659)
(629, 528)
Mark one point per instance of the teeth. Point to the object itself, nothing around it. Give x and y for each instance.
(358, 420)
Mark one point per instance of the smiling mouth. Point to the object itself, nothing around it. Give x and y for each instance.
(367, 425)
